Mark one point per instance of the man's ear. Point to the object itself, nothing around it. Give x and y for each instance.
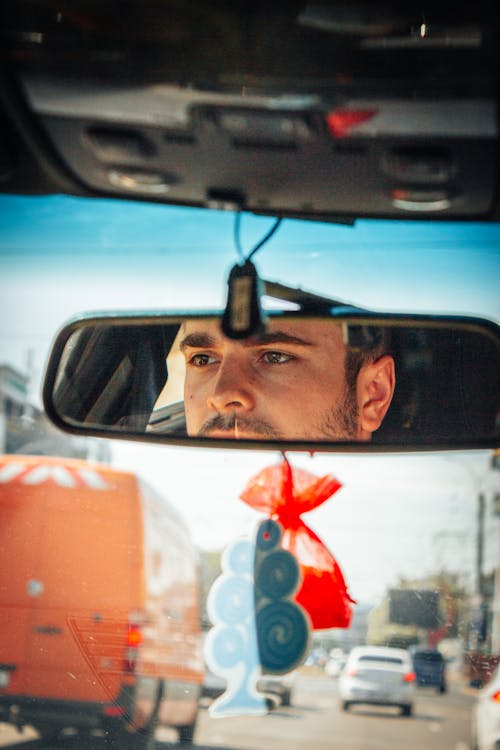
(375, 388)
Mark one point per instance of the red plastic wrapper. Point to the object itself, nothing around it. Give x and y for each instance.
(283, 493)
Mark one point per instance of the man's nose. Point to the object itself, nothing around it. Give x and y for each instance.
(232, 389)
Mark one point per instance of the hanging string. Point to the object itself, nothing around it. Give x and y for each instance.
(236, 230)
(237, 240)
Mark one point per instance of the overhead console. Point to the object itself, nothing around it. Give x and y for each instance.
(353, 114)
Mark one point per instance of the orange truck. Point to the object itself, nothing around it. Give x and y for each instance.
(99, 604)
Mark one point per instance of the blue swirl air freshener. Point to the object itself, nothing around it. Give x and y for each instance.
(257, 627)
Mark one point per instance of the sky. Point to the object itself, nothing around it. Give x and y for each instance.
(60, 256)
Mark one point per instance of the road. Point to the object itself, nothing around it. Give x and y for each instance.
(315, 721)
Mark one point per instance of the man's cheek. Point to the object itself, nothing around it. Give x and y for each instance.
(197, 409)
(193, 421)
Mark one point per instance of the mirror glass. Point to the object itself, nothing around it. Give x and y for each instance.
(312, 380)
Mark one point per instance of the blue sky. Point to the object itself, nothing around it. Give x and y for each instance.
(51, 221)
(447, 267)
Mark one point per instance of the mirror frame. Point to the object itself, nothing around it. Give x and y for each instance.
(346, 314)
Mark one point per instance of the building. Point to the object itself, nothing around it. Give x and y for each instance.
(24, 428)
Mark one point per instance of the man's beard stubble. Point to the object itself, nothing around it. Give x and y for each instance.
(235, 423)
(340, 423)
(342, 419)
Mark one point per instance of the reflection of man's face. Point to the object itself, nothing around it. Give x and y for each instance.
(287, 383)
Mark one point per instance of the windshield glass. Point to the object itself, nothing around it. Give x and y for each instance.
(424, 523)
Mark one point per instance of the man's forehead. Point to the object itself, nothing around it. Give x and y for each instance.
(313, 332)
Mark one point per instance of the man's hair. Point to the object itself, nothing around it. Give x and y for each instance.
(357, 357)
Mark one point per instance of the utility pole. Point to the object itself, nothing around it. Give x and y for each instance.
(480, 544)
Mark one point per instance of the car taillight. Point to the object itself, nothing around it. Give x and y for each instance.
(113, 711)
(132, 642)
(351, 672)
(340, 122)
(134, 636)
(496, 696)
(409, 677)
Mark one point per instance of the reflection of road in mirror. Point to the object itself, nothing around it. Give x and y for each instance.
(296, 380)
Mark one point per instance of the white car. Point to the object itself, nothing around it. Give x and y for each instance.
(486, 716)
(378, 675)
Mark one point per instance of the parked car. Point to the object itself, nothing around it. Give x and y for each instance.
(380, 676)
(486, 716)
(430, 668)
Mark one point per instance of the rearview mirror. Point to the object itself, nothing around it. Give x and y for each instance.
(323, 382)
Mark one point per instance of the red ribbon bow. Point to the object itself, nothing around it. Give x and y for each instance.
(283, 494)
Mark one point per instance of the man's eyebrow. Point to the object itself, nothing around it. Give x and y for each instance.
(197, 340)
(275, 337)
(202, 340)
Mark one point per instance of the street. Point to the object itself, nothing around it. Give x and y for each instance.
(315, 721)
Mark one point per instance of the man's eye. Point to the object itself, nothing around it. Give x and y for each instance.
(276, 358)
(201, 360)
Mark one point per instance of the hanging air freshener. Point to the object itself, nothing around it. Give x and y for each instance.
(258, 627)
